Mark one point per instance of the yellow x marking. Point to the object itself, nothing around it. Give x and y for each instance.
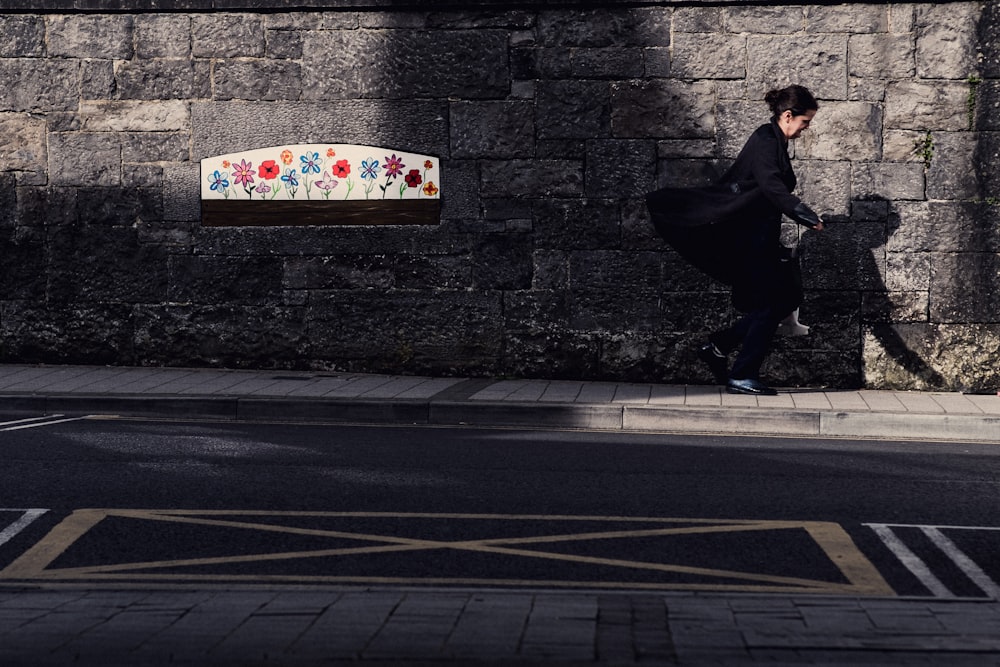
(860, 575)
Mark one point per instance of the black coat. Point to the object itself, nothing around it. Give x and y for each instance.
(731, 230)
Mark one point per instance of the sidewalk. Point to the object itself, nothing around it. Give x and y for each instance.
(389, 399)
(392, 627)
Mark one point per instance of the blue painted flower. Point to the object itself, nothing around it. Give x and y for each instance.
(311, 165)
(369, 168)
(218, 180)
(291, 178)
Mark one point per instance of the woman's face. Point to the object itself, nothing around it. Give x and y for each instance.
(792, 125)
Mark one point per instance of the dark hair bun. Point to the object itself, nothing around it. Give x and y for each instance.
(794, 98)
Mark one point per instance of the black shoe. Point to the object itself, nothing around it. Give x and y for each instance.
(749, 386)
(717, 362)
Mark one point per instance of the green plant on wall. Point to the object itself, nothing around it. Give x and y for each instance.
(970, 102)
(923, 148)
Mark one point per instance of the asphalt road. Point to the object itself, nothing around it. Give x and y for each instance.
(176, 502)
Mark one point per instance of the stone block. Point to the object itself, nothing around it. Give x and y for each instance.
(85, 159)
(257, 80)
(902, 18)
(881, 56)
(39, 85)
(986, 98)
(605, 27)
(541, 63)
(952, 172)
(988, 164)
(551, 352)
(227, 35)
(824, 185)
(532, 178)
(93, 263)
(946, 44)
(736, 120)
(818, 62)
(226, 335)
(492, 130)
(903, 145)
(844, 131)
(606, 63)
(444, 332)
(888, 180)
(164, 79)
(182, 192)
(964, 287)
(22, 143)
(502, 262)
(337, 272)
(97, 79)
(163, 36)
(620, 168)
(657, 60)
(851, 18)
(134, 116)
(385, 64)
(920, 105)
(422, 272)
(902, 356)
(662, 108)
(201, 279)
(576, 224)
(90, 36)
(989, 41)
(883, 307)
(709, 56)
(947, 226)
(908, 271)
(846, 256)
(24, 36)
(572, 109)
(23, 253)
(764, 20)
(551, 270)
(91, 333)
(682, 173)
(697, 18)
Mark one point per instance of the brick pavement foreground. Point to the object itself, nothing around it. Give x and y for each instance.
(301, 627)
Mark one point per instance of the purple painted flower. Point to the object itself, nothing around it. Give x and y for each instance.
(328, 182)
(393, 166)
(243, 173)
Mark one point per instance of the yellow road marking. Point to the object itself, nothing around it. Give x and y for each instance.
(861, 575)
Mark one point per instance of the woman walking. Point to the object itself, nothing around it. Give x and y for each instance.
(731, 230)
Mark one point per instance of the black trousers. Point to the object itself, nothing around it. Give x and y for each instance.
(753, 334)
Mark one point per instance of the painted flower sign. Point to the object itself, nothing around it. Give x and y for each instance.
(320, 172)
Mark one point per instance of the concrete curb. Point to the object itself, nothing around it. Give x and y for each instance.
(509, 414)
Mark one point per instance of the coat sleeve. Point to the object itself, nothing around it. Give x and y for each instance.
(769, 159)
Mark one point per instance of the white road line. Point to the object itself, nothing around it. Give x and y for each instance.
(966, 564)
(44, 423)
(910, 560)
(29, 419)
(26, 518)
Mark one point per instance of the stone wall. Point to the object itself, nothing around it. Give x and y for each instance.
(551, 121)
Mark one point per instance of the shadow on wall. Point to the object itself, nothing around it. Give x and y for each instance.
(845, 268)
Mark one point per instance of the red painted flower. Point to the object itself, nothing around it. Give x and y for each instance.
(269, 170)
(430, 189)
(413, 178)
(342, 169)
